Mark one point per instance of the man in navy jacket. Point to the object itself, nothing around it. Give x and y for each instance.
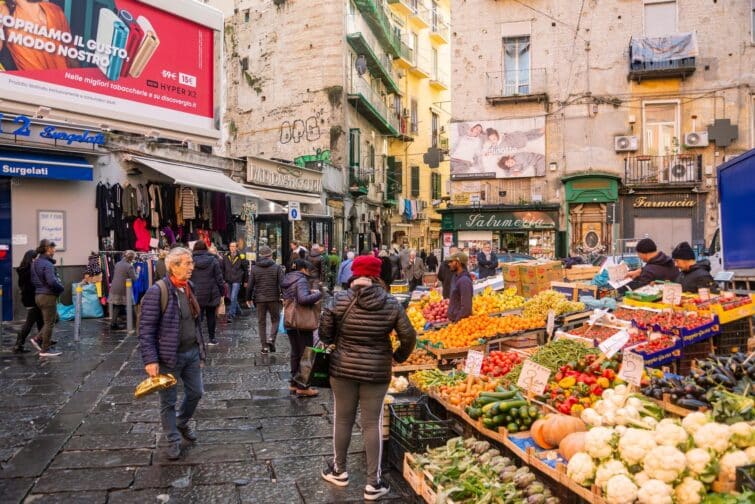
(47, 288)
(462, 290)
(171, 341)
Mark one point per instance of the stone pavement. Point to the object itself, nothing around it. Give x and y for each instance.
(71, 430)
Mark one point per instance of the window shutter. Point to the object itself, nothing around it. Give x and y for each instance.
(415, 181)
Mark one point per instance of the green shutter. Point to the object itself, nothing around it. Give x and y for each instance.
(415, 181)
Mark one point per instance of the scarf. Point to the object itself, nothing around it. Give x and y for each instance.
(184, 284)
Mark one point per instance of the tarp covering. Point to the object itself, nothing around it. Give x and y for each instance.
(669, 48)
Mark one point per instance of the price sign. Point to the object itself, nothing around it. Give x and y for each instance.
(704, 294)
(533, 377)
(672, 293)
(596, 316)
(615, 343)
(551, 322)
(474, 363)
(632, 366)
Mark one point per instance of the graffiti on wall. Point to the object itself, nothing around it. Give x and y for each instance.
(298, 130)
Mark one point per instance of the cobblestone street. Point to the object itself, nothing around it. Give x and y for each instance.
(73, 432)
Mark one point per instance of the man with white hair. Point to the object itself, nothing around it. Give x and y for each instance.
(124, 270)
(171, 341)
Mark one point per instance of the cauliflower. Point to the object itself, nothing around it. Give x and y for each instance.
(702, 465)
(655, 492)
(634, 445)
(620, 490)
(670, 433)
(607, 470)
(581, 469)
(664, 463)
(591, 417)
(730, 462)
(650, 422)
(694, 421)
(742, 435)
(620, 430)
(641, 478)
(689, 491)
(713, 436)
(599, 442)
(751, 453)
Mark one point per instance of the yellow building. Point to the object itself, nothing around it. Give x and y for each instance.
(424, 109)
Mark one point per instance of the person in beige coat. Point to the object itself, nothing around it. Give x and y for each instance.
(414, 271)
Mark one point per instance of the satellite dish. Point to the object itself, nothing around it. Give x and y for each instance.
(361, 65)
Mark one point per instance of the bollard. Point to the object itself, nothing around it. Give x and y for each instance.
(129, 307)
(77, 313)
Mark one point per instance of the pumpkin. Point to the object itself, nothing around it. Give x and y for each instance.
(536, 431)
(558, 427)
(571, 444)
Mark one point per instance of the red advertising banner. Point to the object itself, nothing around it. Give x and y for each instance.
(114, 59)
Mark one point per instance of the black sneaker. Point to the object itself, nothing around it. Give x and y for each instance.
(271, 347)
(188, 433)
(213, 342)
(173, 451)
(372, 493)
(330, 475)
(20, 350)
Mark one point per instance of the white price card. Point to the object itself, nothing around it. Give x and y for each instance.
(672, 293)
(474, 362)
(615, 343)
(533, 377)
(551, 322)
(632, 366)
(703, 294)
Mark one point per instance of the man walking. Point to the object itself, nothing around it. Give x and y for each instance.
(344, 271)
(414, 271)
(171, 341)
(265, 292)
(235, 271)
(462, 290)
(123, 271)
(47, 288)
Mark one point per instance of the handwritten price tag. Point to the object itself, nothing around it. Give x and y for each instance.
(474, 363)
(704, 294)
(632, 366)
(551, 322)
(672, 294)
(533, 377)
(615, 343)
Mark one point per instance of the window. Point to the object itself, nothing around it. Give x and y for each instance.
(516, 65)
(415, 181)
(372, 163)
(415, 116)
(436, 183)
(660, 18)
(354, 147)
(435, 131)
(415, 46)
(435, 64)
(661, 135)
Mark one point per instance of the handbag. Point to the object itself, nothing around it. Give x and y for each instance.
(297, 316)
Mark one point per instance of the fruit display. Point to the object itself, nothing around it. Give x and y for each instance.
(503, 408)
(427, 378)
(418, 357)
(641, 318)
(489, 301)
(462, 393)
(497, 364)
(668, 322)
(464, 333)
(515, 323)
(553, 355)
(601, 333)
(655, 345)
(436, 311)
(416, 318)
(538, 306)
(727, 302)
(579, 384)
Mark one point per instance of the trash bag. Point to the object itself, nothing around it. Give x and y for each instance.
(90, 303)
(281, 328)
(314, 368)
(66, 312)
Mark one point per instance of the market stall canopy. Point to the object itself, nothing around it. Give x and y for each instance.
(286, 196)
(669, 48)
(196, 176)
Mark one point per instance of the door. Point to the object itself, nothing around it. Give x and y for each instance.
(667, 233)
(6, 256)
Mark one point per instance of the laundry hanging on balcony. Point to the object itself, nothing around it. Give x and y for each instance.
(668, 48)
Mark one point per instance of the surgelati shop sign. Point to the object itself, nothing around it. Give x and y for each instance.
(501, 220)
(644, 202)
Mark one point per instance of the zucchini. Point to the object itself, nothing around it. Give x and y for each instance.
(490, 408)
(506, 406)
(512, 428)
(524, 412)
(498, 420)
(498, 395)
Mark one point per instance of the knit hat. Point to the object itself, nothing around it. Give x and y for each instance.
(646, 246)
(683, 251)
(266, 251)
(366, 265)
(458, 256)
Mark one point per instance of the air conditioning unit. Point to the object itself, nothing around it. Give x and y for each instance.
(696, 139)
(681, 172)
(421, 216)
(623, 143)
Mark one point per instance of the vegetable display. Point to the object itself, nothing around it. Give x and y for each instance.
(498, 364)
(555, 354)
(543, 302)
(489, 301)
(427, 378)
(462, 393)
(503, 408)
(418, 357)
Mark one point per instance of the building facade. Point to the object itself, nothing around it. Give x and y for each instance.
(637, 102)
(324, 90)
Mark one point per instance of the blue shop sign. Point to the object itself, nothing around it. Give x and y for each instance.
(24, 126)
(15, 164)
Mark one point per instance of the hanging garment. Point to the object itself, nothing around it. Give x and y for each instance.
(188, 203)
(104, 210)
(130, 203)
(408, 209)
(218, 212)
(141, 235)
(154, 205)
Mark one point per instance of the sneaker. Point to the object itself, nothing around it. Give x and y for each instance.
(173, 451)
(330, 475)
(213, 342)
(36, 344)
(265, 350)
(271, 347)
(50, 353)
(372, 493)
(20, 350)
(188, 433)
(307, 392)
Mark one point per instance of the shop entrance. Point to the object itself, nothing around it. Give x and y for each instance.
(515, 242)
(666, 233)
(6, 261)
(271, 234)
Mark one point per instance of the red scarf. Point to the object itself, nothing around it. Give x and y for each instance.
(184, 284)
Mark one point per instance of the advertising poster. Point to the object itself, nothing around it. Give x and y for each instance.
(506, 148)
(112, 59)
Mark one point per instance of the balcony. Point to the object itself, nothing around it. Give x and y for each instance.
(359, 181)
(420, 14)
(379, 22)
(516, 86)
(439, 80)
(379, 67)
(401, 7)
(407, 130)
(440, 31)
(405, 57)
(662, 57)
(372, 106)
(421, 66)
(677, 169)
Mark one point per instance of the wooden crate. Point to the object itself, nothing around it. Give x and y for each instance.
(428, 491)
(450, 353)
(414, 477)
(581, 272)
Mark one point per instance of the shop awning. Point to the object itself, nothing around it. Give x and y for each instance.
(28, 165)
(196, 176)
(285, 196)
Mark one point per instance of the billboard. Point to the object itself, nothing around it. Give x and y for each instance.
(118, 60)
(504, 148)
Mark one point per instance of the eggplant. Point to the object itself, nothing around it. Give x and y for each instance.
(723, 379)
(689, 403)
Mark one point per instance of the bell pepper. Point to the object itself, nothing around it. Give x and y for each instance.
(576, 409)
(610, 374)
(567, 382)
(586, 401)
(564, 408)
(603, 382)
(596, 390)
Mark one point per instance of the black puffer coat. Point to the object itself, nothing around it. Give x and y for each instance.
(698, 277)
(27, 288)
(318, 268)
(296, 286)
(207, 279)
(660, 268)
(265, 281)
(363, 346)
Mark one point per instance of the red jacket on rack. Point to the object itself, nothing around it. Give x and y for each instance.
(142, 235)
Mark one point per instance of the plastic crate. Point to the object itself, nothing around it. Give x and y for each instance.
(415, 428)
(733, 337)
(691, 353)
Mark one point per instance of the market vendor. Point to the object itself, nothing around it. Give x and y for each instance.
(460, 300)
(658, 267)
(695, 274)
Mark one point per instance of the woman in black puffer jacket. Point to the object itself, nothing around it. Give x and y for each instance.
(209, 286)
(359, 321)
(33, 314)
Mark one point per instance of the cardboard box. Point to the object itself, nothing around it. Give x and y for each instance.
(539, 271)
(532, 289)
(510, 272)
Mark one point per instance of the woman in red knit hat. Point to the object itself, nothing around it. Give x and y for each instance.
(359, 322)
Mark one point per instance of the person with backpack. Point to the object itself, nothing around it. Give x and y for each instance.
(171, 341)
(47, 288)
(208, 281)
(33, 314)
(265, 292)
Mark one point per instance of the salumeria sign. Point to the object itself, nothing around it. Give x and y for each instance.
(482, 221)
